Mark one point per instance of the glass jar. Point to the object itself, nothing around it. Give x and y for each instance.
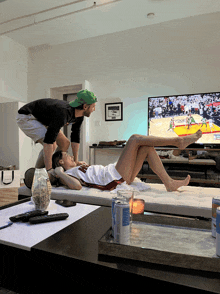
(41, 189)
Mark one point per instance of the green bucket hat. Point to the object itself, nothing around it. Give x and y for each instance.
(83, 97)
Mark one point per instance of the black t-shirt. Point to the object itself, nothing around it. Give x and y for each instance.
(54, 114)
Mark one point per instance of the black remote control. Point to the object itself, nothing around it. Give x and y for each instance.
(24, 217)
(48, 218)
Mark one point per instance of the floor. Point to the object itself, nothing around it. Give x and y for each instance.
(8, 195)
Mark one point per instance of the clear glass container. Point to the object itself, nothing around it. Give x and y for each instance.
(41, 189)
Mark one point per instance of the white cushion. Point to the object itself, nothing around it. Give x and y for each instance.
(191, 201)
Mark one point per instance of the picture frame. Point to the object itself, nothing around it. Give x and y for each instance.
(114, 111)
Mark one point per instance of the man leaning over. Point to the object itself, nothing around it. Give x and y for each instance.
(42, 120)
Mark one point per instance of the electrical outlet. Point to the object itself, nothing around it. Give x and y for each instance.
(98, 123)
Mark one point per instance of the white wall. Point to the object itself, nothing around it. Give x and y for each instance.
(13, 87)
(65, 65)
(29, 75)
(15, 147)
(13, 71)
(9, 146)
(72, 64)
(87, 60)
(27, 149)
(134, 120)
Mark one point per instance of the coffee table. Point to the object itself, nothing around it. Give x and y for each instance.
(68, 262)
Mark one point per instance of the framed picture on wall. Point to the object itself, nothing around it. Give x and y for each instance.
(114, 111)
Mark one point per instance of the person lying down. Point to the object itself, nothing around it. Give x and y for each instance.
(137, 149)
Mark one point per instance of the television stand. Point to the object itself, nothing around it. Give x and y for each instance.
(202, 171)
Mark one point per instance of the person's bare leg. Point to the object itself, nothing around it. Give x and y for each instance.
(62, 141)
(142, 153)
(40, 160)
(128, 159)
(157, 167)
(179, 142)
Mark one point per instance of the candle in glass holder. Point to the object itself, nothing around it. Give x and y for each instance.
(126, 195)
(138, 206)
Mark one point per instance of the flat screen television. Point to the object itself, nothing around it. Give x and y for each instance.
(182, 115)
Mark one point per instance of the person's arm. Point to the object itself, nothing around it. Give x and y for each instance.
(67, 180)
(75, 150)
(75, 140)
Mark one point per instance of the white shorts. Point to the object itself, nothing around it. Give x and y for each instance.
(31, 126)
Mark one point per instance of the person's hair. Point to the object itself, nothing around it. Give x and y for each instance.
(57, 156)
(80, 107)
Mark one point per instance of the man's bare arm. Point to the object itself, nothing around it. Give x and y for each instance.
(75, 149)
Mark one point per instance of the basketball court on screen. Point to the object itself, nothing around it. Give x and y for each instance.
(162, 127)
(206, 128)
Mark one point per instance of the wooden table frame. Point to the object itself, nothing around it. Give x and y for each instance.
(70, 259)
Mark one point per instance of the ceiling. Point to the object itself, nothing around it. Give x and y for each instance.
(147, 42)
(33, 23)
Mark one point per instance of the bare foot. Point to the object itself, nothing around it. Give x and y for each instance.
(187, 140)
(173, 185)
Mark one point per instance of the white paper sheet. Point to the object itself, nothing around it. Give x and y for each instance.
(25, 235)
